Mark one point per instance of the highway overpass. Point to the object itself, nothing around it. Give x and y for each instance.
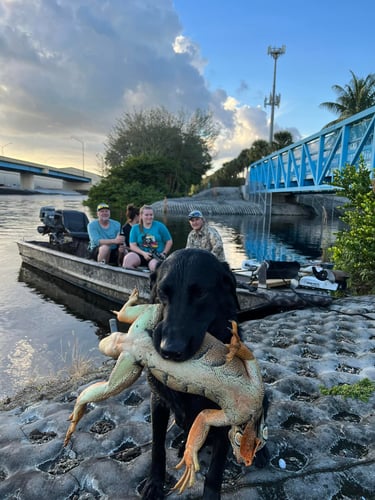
(28, 172)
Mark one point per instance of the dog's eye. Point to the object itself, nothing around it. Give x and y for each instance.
(198, 293)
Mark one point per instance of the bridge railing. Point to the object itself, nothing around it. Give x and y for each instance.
(308, 165)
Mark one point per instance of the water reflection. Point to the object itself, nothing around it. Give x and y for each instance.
(76, 301)
(286, 238)
(261, 237)
(21, 363)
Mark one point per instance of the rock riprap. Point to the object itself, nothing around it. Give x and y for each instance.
(322, 446)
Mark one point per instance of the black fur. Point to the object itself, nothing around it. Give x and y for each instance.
(199, 295)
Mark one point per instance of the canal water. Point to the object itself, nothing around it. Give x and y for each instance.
(43, 325)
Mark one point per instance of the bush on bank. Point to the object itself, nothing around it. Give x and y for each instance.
(354, 248)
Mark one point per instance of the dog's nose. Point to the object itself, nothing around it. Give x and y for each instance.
(171, 355)
(174, 350)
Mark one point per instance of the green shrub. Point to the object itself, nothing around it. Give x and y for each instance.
(354, 248)
(361, 390)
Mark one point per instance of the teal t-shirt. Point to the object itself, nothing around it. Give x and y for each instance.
(153, 238)
(97, 232)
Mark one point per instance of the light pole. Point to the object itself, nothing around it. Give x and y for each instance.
(4, 146)
(274, 100)
(83, 152)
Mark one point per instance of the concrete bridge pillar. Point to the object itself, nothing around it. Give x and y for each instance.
(26, 180)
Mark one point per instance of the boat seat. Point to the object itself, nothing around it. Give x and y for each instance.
(276, 270)
(75, 223)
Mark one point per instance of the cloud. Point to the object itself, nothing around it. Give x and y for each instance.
(249, 125)
(183, 45)
(72, 67)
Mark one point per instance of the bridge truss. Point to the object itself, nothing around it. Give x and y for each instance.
(308, 165)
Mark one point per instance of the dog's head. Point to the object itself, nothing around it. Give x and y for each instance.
(199, 295)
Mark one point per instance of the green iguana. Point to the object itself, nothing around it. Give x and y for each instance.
(228, 375)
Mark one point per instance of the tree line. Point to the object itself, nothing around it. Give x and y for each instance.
(153, 154)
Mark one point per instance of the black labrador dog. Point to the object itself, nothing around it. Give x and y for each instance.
(199, 295)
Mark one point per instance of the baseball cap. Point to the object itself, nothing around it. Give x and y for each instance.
(195, 213)
(101, 206)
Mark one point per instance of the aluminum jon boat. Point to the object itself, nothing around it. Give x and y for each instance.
(64, 257)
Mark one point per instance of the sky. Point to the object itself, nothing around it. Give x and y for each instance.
(70, 69)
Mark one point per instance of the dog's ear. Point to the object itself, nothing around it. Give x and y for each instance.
(153, 283)
(153, 286)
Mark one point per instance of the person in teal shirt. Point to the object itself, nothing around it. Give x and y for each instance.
(105, 237)
(147, 238)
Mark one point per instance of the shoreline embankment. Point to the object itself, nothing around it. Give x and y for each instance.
(224, 201)
(230, 201)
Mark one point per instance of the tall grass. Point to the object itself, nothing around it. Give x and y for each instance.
(80, 364)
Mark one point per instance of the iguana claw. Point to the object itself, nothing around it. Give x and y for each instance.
(236, 346)
(187, 480)
(74, 417)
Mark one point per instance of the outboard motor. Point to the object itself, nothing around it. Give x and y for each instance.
(53, 225)
(66, 229)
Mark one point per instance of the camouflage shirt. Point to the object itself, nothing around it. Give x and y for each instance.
(207, 238)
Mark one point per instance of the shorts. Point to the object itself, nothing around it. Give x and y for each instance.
(113, 257)
(144, 262)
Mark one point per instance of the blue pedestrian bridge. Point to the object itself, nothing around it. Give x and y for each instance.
(307, 166)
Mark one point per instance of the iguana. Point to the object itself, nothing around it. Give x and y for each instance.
(228, 375)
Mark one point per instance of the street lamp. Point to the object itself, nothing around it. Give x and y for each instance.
(274, 100)
(83, 152)
(4, 146)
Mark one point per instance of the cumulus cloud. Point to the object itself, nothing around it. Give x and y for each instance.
(183, 45)
(72, 67)
(249, 125)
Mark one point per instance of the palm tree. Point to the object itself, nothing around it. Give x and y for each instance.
(281, 140)
(258, 149)
(356, 96)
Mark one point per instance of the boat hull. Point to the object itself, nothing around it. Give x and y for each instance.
(115, 283)
(112, 283)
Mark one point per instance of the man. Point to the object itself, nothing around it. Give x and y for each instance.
(204, 236)
(104, 234)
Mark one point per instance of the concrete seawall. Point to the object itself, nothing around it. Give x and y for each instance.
(229, 201)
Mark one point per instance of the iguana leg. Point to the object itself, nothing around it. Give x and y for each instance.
(112, 345)
(123, 375)
(196, 438)
(129, 311)
(237, 347)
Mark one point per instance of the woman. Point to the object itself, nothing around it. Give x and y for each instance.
(132, 218)
(147, 238)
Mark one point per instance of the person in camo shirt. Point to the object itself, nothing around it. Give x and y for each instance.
(204, 236)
